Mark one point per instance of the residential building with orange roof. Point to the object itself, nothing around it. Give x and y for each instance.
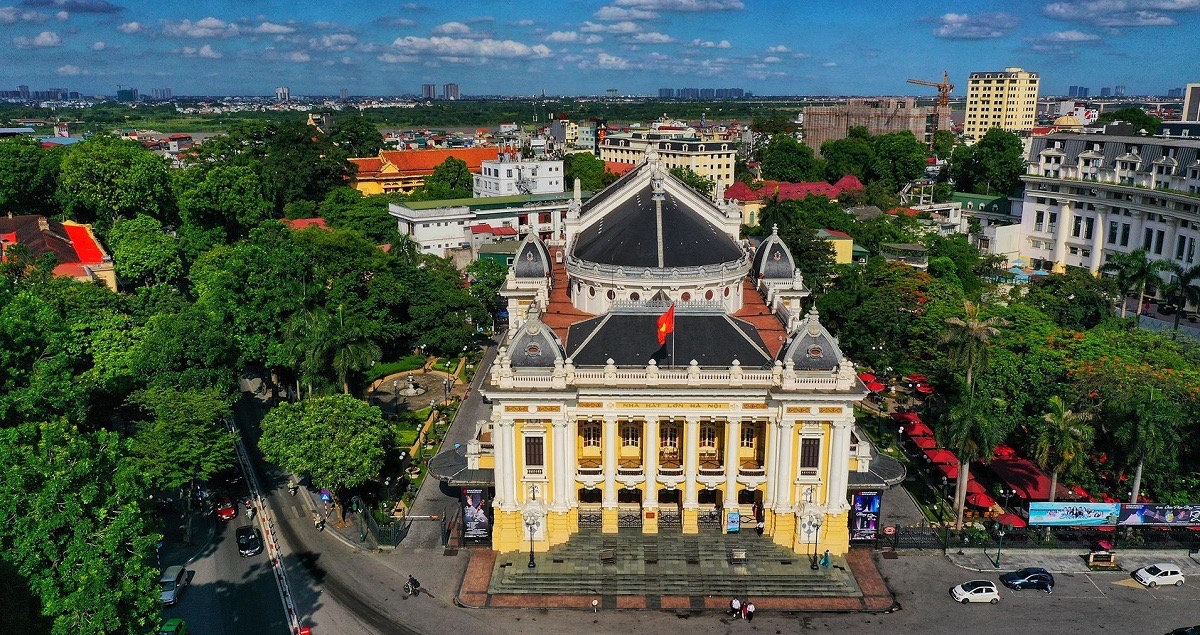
(79, 253)
(405, 170)
(752, 199)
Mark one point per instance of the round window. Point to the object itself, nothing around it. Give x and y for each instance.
(591, 292)
(611, 295)
(635, 296)
(708, 295)
(686, 297)
(727, 292)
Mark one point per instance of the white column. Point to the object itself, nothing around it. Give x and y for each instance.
(1060, 236)
(691, 461)
(771, 438)
(610, 461)
(506, 489)
(650, 463)
(839, 465)
(1169, 239)
(572, 434)
(785, 473)
(1098, 235)
(733, 441)
(560, 479)
(1135, 232)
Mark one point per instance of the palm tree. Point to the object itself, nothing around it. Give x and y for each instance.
(968, 338)
(308, 345)
(973, 432)
(1180, 290)
(1062, 441)
(1135, 271)
(1147, 432)
(353, 349)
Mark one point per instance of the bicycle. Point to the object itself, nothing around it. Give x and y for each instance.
(412, 587)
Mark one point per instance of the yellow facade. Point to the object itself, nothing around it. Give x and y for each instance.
(1001, 99)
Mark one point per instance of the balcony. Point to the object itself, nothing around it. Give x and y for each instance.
(590, 467)
(751, 468)
(629, 467)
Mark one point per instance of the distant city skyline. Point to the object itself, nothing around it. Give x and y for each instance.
(521, 47)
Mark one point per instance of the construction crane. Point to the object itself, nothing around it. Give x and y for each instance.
(943, 102)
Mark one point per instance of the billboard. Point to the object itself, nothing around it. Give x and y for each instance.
(477, 526)
(1067, 514)
(864, 516)
(1159, 515)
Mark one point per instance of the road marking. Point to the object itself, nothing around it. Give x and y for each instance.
(1093, 581)
(1132, 584)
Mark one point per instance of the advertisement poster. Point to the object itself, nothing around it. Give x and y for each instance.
(476, 524)
(864, 516)
(733, 524)
(1159, 515)
(1074, 514)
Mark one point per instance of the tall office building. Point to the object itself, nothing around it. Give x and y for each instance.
(450, 91)
(1191, 103)
(345, 93)
(127, 95)
(1001, 99)
(666, 93)
(24, 91)
(428, 91)
(1073, 91)
(1174, 93)
(1083, 92)
(1106, 92)
(1119, 90)
(282, 93)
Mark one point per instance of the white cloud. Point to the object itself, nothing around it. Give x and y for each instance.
(386, 21)
(614, 14)
(563, 37)
(449, 47)
(333, 42)
(522, 23)
(205, 51)
(683, 6)
(1060, 43)
(651, 37)
(62, 16)
(297, 56)
(778, 49)
(706, 44)
(131, 27)
(271, 28)
(982, 26)
(99, 46)
(1070, 36)
(12, 15)
(70, 69)
(829, 64)
(45, 39)
(392, 58)
(452, 28)
(607, 62)
(203, 28)
(772, 59)
(619, 27)
(1118, 13)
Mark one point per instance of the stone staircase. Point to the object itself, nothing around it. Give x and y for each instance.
(671, 565)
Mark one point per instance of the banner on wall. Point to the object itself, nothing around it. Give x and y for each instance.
(1063, 514)
(733, 524)
(864, 516)
(477, 526)
(1154, 514)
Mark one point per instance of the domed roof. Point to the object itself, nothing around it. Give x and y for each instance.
(534, 345)
(1068, 121)
(813, 348)
(631, 235)
(773, 259)
(532, 259)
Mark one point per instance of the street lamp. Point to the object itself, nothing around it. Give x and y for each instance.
(1000, 546)
(812, 525)
(1007, 493)
(942, 515)
(446, 383)
(532, 516)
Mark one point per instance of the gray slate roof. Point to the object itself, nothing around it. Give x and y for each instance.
(534, 345)
(532, 259)
(813, 348)
(773, 260)
(632, 340)
(1150, 149)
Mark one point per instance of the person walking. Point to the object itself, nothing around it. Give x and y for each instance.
(749, 610)
(745, 608)
(735, 607)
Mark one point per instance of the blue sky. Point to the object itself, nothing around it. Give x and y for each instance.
(575, 47)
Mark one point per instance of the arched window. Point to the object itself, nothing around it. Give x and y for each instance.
(686, 297)
(708, 435)
(590, 431)
(668, 435)
(612, 295)
(631, 435)
(635, 296)
(708, 295)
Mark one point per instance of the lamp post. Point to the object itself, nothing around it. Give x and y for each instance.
(532, 517)
(942, 515)
(395, 396)
(446, 383)
(1000, 546)
(1007, 493)
(812, 525)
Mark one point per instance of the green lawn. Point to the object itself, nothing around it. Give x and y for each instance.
(412, 362)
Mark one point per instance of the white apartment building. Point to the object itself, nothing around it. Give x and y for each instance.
(1090, 197)
(509, 175)
(676, 149)
(1005, 99)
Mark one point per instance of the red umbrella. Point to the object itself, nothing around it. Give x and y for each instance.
(917, 429)
(866, 377)
(916, 377)
(939, 455)
(973, 487)
(950, 470)
(875, 386)
(906, 416)
(980, 500)
(1012, 520)
(1004, 452)
(925, 389)
(924, 443)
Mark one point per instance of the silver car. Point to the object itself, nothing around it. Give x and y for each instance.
(172, 581)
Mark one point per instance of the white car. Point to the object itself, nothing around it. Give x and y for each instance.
(975, 591)
(1162, 573)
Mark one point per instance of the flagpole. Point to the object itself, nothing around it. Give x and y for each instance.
(672, 364)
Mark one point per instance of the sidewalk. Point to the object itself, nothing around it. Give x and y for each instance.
(174, 551)
(1069, 560)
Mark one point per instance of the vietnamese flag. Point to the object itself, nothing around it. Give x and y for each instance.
(666, 324)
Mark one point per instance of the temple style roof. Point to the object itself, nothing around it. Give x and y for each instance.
(631, 339)
(813, 348)
(772, 258)
(533, 259)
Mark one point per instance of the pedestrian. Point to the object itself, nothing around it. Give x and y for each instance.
(735, 607)
(749, 611)
(745, 609)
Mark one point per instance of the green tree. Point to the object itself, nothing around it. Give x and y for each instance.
(1134, 115)
(786, 159)
(28, 176)
(487, 277)
(972, 429)
(773, 124)
(814, 255)
(851, 155)
(943, 144)
(449, 180)
(590, 171)
(337, 440)
(356, 136)
(1147, 432)
(1074, 299)
(899, 157)
(1181, 289)
(1062, 441)
(994, 165)
(76, 527)
(219, 205)
(106, 178)
(143, 253)
(968, 338)
(347, 208)
(702, 185)
(1135, 272)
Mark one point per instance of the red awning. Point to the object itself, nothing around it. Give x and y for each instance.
(980, 500)
(875, 386)
(1023, 477)
(973, 487)
(924, 443)
(1012, 520)
(950, 470)
(906, 416)
(866, 377)
(917, 429)
(916, 377)
(1108, 499)
(925, 389)
(1004, 452)
(938, 455)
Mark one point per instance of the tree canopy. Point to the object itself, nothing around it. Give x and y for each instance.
(337, 440)
(992, 166)
(786, 159)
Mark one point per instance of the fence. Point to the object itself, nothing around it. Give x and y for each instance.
(1081, 539)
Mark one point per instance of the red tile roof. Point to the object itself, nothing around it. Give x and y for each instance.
(368, 165)
(838, 234)
(502, 230)
(759, 315)
(86, 247)
(618, 168)
(304, 223)
(791, 191)
(895, 211)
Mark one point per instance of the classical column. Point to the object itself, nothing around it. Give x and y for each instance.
(771, 438)
(839, 466)
(1169, 239)
(650, 463)
(1060, 236)
(1098, 235)
(560, 477)
(610, 461)
(572, 458)
(691, 462)
(733, 441)
(785, 472)
(505, 470)
(1135, 230)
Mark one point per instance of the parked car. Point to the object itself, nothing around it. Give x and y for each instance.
(1029, 578)
(226, 510)
(1186, 630)
(975, 591)
(249, 541)
(1162, 573)
(228, 477)
(173, 626)
(171, 582)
